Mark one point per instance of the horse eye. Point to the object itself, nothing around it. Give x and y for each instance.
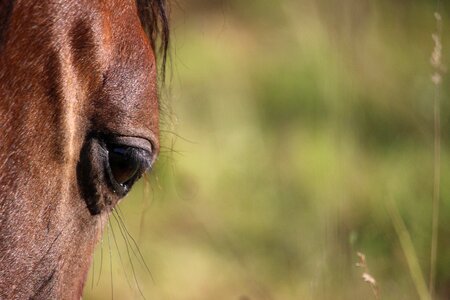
(108, 168)
(123, 164)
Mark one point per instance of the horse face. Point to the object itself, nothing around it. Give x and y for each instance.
(79, 115)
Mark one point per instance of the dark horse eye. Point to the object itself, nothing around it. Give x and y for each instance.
(125, 165)
(108, 168)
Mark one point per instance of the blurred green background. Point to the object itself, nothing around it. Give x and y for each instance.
(289, 129)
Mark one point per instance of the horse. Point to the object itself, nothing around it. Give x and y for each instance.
(79, 125)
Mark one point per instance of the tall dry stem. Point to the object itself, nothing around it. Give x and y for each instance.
(439, 69)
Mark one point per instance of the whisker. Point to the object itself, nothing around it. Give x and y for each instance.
(177, 135)
(170, 151)
(128, 252)
(101, 253)
(118, 251)
(135, 244)
(93, 272)
(110, 263)
(146, 204)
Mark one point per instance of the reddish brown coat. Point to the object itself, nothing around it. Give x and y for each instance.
(69, 69)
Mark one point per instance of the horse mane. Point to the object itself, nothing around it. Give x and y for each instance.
(154, 19)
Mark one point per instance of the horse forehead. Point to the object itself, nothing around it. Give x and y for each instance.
(112, 28)
(105, 46)
(82, 63)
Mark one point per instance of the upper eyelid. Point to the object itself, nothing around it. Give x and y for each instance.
(136, 142)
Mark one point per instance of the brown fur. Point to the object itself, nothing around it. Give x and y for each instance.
(71, 72)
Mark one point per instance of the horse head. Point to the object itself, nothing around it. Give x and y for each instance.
(79, 125)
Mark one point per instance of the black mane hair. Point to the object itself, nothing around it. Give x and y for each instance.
(154, 19)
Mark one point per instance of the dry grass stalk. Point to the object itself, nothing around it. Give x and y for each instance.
(366, 275)
(436, 78)
(436, 55)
